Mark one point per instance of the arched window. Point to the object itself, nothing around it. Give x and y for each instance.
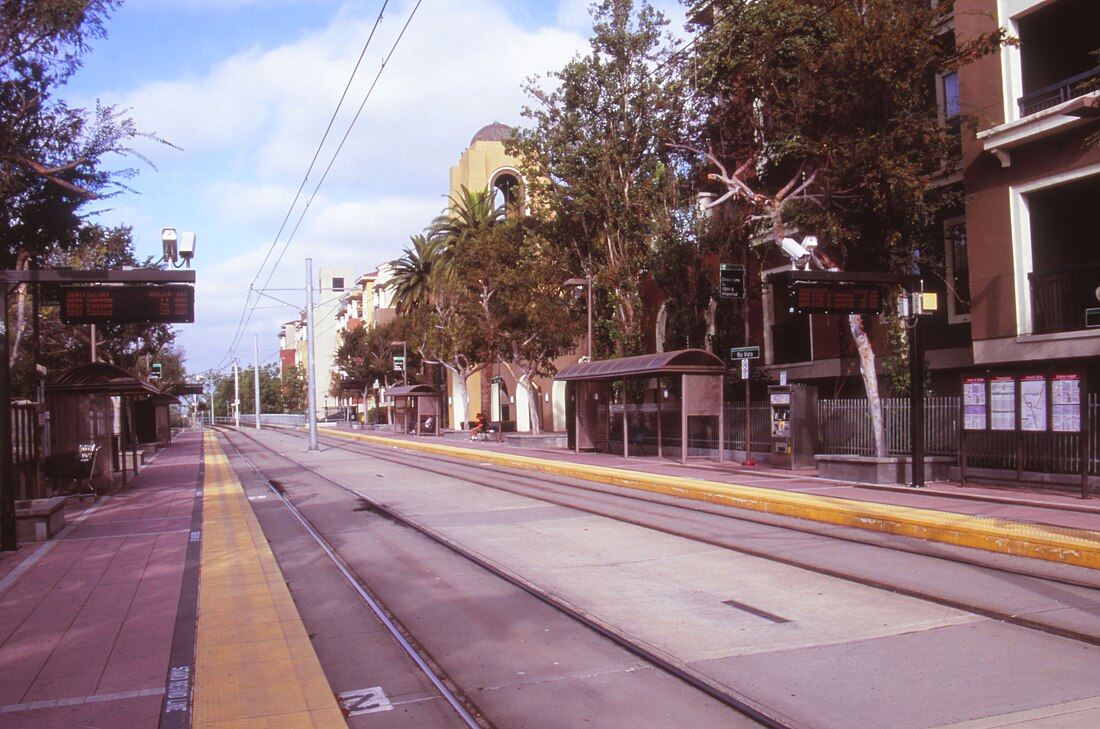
(507, 192)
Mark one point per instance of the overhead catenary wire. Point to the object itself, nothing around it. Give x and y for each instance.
(253, 295)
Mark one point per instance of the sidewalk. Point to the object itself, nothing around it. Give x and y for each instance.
(87, 618)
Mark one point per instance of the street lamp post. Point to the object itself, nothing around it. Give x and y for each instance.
(586, 284)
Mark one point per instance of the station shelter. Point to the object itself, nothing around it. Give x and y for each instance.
(668, 401)
(93, 405)
(415, 409)
(153, 419)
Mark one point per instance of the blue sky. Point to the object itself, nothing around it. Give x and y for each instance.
(245, 89)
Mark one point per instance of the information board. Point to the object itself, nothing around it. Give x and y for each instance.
(1066, 397)
(1002, 402)
(127, 304)
(1033, 403)
(975, 405)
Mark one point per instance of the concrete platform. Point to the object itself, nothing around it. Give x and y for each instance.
(1032, 526)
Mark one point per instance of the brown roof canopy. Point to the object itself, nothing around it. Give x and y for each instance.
(412, 391)
(680, 362)
(100, 377)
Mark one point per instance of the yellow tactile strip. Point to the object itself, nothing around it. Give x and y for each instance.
(254, 664)
(1069, 546)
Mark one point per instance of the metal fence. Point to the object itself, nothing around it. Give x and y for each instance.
(844, 427)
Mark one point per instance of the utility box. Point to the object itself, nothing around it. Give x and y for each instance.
(794, 426)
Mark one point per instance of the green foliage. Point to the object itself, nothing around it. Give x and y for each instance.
(294, 389)
(271, 392)
(52, 156)
(598, 167)
(844, 90)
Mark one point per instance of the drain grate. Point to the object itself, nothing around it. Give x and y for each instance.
(756, 611)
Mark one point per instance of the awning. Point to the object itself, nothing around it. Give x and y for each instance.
(100, 377)
(680, 362)
(412, 391)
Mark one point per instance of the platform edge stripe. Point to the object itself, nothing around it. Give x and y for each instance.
(233, 539)
(1070, 546)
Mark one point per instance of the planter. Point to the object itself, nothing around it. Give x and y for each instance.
(37, 520)
(888, 470)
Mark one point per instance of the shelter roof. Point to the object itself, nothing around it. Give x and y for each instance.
(100, 377)
(680, 362)
(412, 391)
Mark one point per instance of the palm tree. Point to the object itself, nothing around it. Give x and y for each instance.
(414, 272)
(468, 214)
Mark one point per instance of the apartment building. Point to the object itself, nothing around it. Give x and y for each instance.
(1031, 164)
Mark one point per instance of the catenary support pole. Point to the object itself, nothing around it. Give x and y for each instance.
(256, 374)
(311, 369)
(236, 395)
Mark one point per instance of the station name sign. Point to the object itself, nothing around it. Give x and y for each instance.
(127, 304)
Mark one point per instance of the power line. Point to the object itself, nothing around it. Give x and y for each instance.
(249, 306)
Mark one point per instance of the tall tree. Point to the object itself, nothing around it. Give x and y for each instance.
(597, 162)
(822, 117)
(52, 156)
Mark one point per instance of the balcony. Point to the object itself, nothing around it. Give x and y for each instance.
(1059, 297)
(1051, 96)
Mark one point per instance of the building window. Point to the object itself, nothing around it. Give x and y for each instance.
(951, 109)
(338, 283)
(507, 193)
(957, 262)
(1056, 55)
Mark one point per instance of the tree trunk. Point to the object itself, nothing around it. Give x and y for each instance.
(870, 382)
(524, 383)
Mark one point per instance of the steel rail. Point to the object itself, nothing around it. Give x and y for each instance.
(523, 489)
(670, 665)
(384, 616)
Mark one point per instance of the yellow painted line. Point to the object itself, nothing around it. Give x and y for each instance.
(1056, 544)
(254, 663)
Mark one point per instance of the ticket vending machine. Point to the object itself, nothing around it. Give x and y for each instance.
(794, 426)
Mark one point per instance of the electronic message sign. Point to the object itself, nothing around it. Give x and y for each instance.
(127, 304)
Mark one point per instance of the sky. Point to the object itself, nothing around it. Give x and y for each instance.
(243, 90)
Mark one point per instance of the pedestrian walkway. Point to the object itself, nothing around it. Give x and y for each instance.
(110, 623)
(1043, 525)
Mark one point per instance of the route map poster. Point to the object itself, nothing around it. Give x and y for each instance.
(1066, 397)
(1033, 403)
(975, 408)
(1002, 400)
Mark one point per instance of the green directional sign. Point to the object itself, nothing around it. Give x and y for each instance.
(399, 363)
(745, 352)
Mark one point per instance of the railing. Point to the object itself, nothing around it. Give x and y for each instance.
(1055, 94)
(1059, 297)
(844, 426)
(283, 420)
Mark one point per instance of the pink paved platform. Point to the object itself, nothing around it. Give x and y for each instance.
(87, 619)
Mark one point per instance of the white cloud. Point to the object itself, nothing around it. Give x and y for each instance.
(250, 124)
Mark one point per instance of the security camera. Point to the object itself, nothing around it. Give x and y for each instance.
(794, 250)
(187, 246)
(809, 242)
(169, 238)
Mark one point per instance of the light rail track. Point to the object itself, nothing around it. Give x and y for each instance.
(569, 494)
(650, 654)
